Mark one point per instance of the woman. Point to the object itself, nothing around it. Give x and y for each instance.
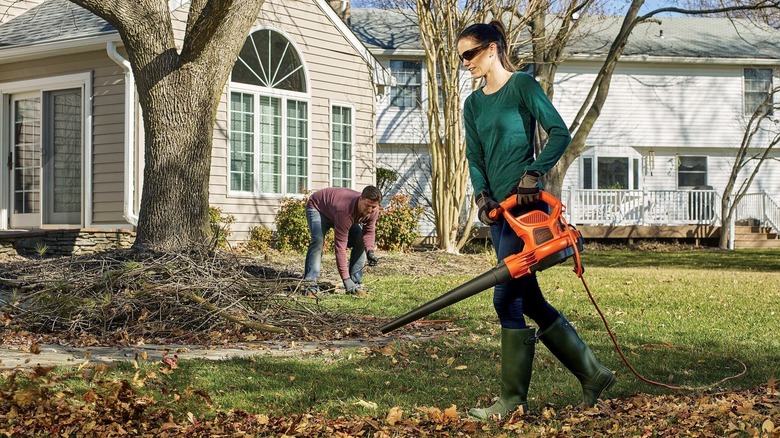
(500, 119)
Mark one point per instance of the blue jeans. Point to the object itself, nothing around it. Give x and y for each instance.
(319, 225)
(519, 296)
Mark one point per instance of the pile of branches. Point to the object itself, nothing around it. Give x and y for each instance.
(170, 296)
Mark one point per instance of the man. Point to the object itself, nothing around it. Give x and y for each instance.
(352, 215)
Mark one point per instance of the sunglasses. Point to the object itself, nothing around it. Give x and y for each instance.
(469, 54)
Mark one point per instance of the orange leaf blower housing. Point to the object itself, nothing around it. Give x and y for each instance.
(548, 240)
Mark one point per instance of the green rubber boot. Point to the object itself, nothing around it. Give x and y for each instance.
(517, 356)
(562, 340)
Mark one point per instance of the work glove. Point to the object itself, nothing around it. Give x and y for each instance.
(486, 204)
(528, 188)
(350, 286)
(372, 260)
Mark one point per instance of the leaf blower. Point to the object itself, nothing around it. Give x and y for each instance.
(548, 240)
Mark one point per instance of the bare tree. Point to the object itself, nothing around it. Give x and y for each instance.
(179, 90)
(440, 22)
(762, 125)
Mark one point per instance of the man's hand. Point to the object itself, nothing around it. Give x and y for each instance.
(486, 204)
(528, 188)
(372, 260)
(350, 286)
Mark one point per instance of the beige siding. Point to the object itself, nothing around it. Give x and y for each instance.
(336, 74)
(107, 117)
(13, 8)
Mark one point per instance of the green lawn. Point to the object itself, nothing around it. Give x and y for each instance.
(682, 318)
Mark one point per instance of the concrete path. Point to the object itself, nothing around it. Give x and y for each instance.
(18, 356)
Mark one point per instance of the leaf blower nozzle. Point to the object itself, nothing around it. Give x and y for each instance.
(497, 275)
(548, 240)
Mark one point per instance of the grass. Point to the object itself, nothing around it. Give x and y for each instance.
(682, 318)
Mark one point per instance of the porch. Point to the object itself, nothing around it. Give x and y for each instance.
(687, 215)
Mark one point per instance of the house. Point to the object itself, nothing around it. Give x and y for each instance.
(71, 129)
(664, 144)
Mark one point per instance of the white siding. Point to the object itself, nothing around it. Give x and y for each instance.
(413, 165)
(659, 105)
(409, 126)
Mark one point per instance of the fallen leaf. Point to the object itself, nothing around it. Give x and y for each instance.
(394, 416)
(452, 413)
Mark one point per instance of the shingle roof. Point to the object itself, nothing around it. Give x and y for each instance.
(52, 20)
(694, 37)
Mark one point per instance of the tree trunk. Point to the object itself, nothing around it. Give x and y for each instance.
(179, 90)
(179, 118)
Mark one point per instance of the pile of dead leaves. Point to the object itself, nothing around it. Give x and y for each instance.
(31, 406)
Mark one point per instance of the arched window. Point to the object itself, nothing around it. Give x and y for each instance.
(269, 117)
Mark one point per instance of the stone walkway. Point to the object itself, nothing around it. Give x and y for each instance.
(17, 356)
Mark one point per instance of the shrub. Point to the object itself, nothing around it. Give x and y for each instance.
(220, 226)
(397, 226)
(259, 239)
(292, 230)
(385, 178)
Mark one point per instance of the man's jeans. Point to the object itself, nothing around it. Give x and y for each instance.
(318, 227)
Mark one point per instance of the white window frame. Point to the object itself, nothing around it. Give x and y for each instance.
(351, 107)
(284, 95)
(42, 85)
(678, 162)
(634, 170)
(748, 111)
(418, 105)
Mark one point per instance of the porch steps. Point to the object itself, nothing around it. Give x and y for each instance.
(755, 237)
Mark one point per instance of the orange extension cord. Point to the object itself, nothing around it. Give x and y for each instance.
(642, 378)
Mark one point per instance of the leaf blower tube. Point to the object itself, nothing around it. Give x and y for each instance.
(497, 275)
(548, 240)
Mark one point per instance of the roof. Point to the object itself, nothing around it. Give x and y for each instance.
(57, 22)
(689, 37)
(52, 20)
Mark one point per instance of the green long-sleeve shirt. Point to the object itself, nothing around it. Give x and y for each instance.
(499, 134)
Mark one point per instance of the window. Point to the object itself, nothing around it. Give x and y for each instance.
(691, 172)
(758, 86)
(619, 173)
(269, 117)
(341, 134)
(407, 93)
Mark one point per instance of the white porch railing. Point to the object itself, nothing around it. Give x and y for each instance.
(761, 208)
(663, 207)
(641, 207)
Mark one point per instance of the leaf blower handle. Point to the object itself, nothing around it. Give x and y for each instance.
(511, 201)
